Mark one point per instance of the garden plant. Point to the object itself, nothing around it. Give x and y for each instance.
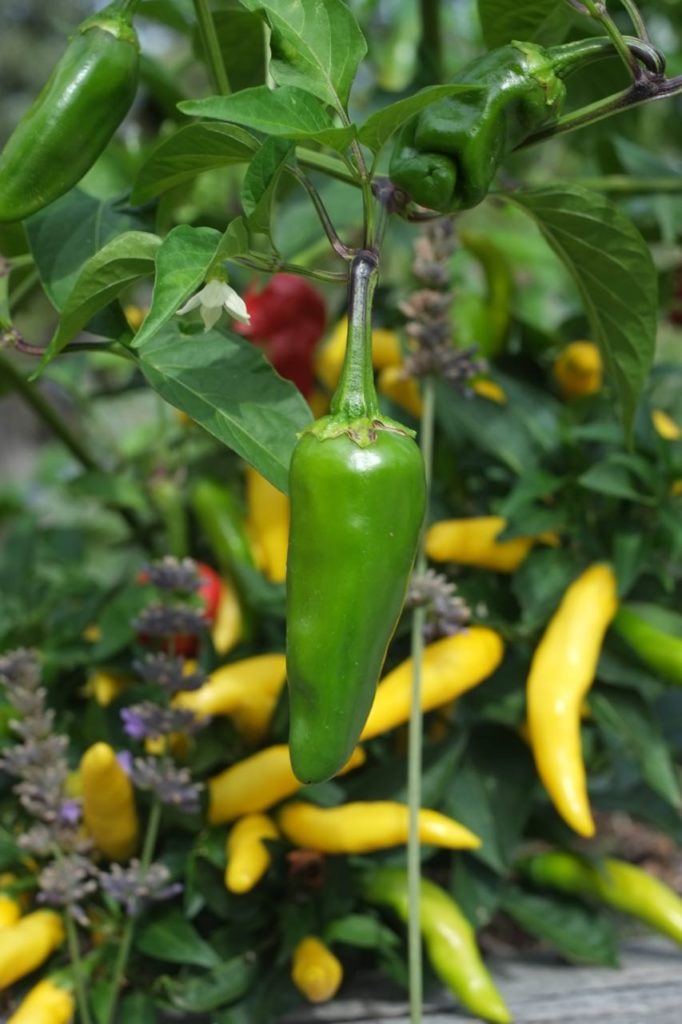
(339, 619)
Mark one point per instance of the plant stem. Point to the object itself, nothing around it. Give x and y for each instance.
(128, 932)
(636, 19)
(274, 266)
(325, 220)
(45, 412)
(75, 956)
(597, 10)
(431, 42)
(624, 185)
(329, 165)
(355, 397)
(414, 762)
(209, 41)
(23, 288)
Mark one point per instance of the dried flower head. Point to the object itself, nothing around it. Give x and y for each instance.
(168, 672)
(168, 783)
(170, 573)
(66, 883)
(134, 887)
(151, 721)
(170, 620)
(446, 613)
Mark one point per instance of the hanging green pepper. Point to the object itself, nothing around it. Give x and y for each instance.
(449, 939)
(447, 156)
(75, 115)
(654, 645)
(358, 494)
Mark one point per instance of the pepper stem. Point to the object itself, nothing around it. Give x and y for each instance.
(571, 56)
(355, 397)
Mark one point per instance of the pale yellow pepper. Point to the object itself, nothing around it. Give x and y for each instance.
(247, 690)
(46, 1003)
(665, 425)
(109, 810)
(395, 384)
(267, 523)
(473, 542)
(258, 783)
(248, 857)
(10, 907)
(28, 943)
(450, 666)
(228, 625)
(315, 971)
(561, 674)
(362, 827)
(578, 370)
(105, 685)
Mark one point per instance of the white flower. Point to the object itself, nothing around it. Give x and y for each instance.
(213, 298)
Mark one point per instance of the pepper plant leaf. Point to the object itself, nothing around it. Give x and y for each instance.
(289, 112)
(315, 45)
(192, 150)
(615, 274)
(539, 21)
(260, 183)
(117, 265)
(578, 933)
(227, 386)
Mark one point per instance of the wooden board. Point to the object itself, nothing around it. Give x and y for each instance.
(646, 989)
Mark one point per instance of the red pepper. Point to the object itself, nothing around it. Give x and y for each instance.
(288, 318)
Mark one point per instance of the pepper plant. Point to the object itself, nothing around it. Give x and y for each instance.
(287, 166)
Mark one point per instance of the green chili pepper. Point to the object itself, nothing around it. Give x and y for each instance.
(447, 156)
(656, 647)
(75, 115)
(357, 493)
(615, 882)
(449, 939)
(222, 523)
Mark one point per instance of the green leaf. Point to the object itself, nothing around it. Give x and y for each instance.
(540, 583)
(380, 125)
(234, 242)
(241, 38)
(289, 112)
(67, 233)
(615, 275)
(228, 387)
(123, 260)
(627, 722)
(260, 183)
(577, 933)
(182, 263)
(316, 46)
(137, 1008)
(541, 21)
(193, 149)
(172, 938)
(201, 993)
(362, 931)
(613, 478)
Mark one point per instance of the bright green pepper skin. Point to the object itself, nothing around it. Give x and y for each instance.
(656, 648)
(73, 118)
(449, 939)
(447, 156)
(615, 882)
(356, 515)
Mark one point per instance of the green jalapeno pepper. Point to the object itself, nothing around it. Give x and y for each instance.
(75, 115)
(449, 939)
(358, 493)
(653, 644)
(447, 156)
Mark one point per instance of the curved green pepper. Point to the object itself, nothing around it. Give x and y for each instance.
(358, 495)
(656, 647)
(447, 156)
(620, 885)
(75, 115)
(449, 939)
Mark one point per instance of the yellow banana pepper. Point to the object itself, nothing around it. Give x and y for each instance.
(363, 827)
(257, 783)
(394, 383)
(248, 857)
(665, 425)
(472, 542)
(315, 971)
(490, 389)
(329, 356)
(449, 667)
(105, 685)
(561, 674)
(268, 523)
(10, 907)
(28, 943)
(109, 809)
(46, 1003)
(578, 370)
(228, 625)
(247, 690)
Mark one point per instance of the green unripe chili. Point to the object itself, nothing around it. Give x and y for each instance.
(653, 644)
(447, 156)
(75, 115)
(449, 939)
(358, 495)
